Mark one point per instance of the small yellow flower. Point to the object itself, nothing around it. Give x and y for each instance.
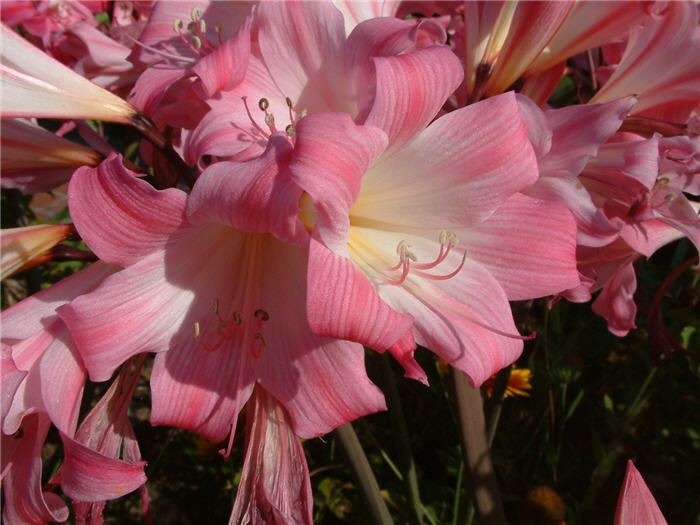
(518, 383)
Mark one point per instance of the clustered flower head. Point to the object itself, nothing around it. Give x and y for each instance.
(314, 178)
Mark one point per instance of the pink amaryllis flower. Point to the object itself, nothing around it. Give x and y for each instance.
(303, 63)
(42, 383)
(218, 297)
(636, 504)
(423, 234)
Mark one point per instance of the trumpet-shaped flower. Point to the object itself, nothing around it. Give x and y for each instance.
(214, 294)
(34, 159)
(25, 247)
(36, 85)
(42, 383)
(426, 236)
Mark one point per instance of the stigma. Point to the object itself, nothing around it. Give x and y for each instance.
(408, 262)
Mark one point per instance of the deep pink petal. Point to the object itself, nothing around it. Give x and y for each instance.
(616, 301)
(322, 167)
(275, 485)
(121, 217)
(256, 196)
(24, 501)
(410, 90)
(199, 390)
(528, 245)
(342, 303)
(636, 504)
(87, 475)
(226, 66)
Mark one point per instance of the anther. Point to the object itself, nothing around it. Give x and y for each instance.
(191, 26)
(270, 120)
(202, 26)
(196, 13)
(263, 104)
(197, 333)
(196, 42)
(290, 130)
(289, 102)
(262, 315)
(178, 25)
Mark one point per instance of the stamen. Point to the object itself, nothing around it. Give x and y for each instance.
(445, 277)
(196, 42)
(178, 25)
(448, 240)
(255, 124)
(196, 13)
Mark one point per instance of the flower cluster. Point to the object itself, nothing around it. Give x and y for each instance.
(314, 178)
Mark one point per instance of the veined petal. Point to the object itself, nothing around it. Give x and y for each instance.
(30, 151)
(301, 44)
(356, 12)
(88, 475)
(659, 65)
(256, 196)
(410, 90)
(458, 319)
(616, 302)
(33, 314)
(495, 160)
(157, 296)
(636, 504)
(275, 486)
(28, 246)
(321, 382)
(342, 303)
(36, 85)
(533, 25)
(25, 503)
(528, 245)
(201, 391)
(323, 166)
(588, 25)
(121, 217)
(226, 66)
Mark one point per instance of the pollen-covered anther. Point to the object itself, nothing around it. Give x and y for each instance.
(408, 260)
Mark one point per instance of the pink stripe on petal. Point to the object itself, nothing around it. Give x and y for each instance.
(121, 217)
(410, 90)
(342, 303)
(87, 475)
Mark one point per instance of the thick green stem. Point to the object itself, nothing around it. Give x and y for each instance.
(403, 446)
(475, 448)
(363, 472)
